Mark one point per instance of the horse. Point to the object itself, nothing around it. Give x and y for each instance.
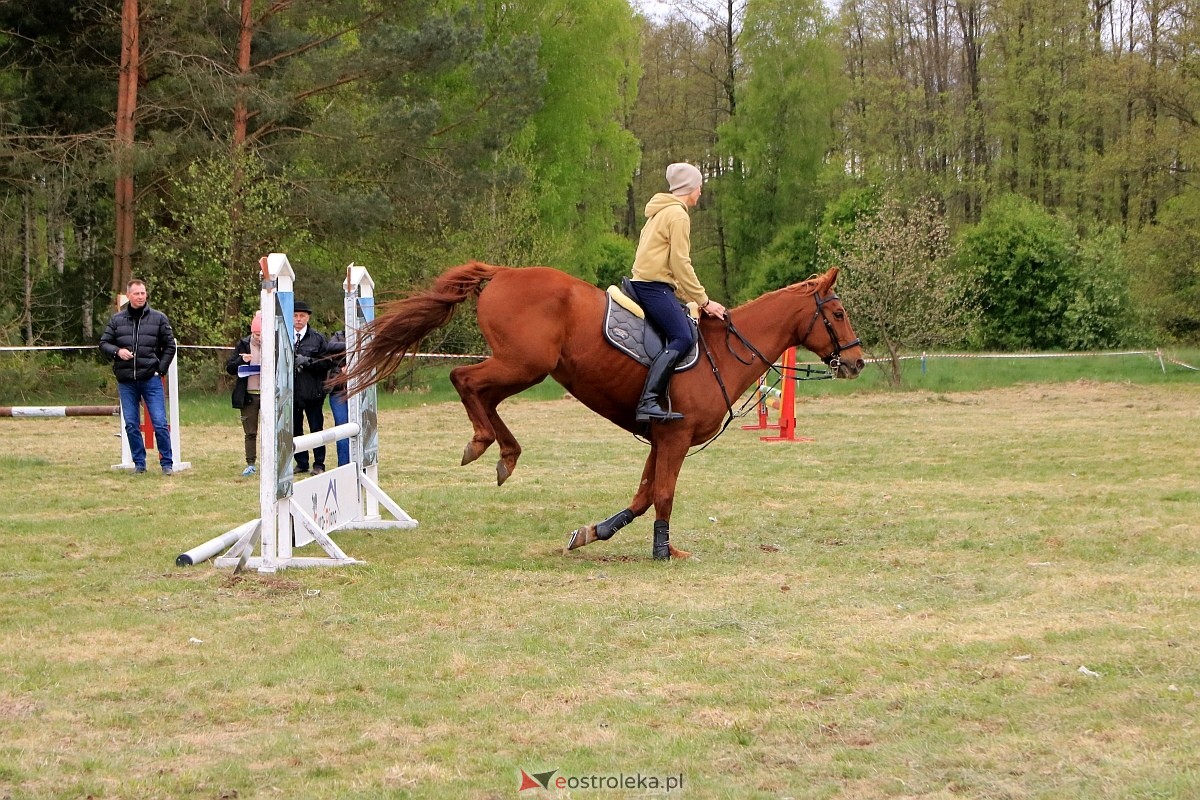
(540, 321)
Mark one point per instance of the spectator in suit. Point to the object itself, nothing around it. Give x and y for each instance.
(308, 398)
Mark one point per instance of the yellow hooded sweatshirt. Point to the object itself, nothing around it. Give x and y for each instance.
(664, 250)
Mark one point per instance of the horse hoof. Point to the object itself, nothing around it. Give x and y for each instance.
(502, 473)
(579, 537)
(471, 452)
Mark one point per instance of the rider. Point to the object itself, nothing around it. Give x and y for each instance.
(662, 270)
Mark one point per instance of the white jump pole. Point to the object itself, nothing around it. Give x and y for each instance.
(60, 411)
(214, 546)
(275, 412)
(294, 513)
(173, 416)
(310, 440)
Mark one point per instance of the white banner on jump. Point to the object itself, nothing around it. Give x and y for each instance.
(329, 499)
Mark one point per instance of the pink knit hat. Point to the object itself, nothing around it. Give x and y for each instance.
(256, 325)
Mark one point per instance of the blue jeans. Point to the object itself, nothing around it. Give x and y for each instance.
(666, 314)
(341, 415)
(149, 390)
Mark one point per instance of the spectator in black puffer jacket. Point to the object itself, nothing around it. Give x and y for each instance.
(141, 344)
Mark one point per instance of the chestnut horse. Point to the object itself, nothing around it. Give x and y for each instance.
(540, 321)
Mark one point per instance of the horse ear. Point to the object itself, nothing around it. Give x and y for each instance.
(831, 277)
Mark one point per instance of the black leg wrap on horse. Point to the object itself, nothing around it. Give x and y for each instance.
(662, 539)
(606, 529)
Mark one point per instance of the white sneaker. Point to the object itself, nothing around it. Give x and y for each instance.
(249, 470)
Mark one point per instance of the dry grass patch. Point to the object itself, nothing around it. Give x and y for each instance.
(898, 609)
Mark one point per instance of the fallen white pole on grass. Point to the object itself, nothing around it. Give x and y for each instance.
(204, 552)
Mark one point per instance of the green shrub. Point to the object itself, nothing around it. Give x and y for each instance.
(790, 258)
(1040, 286)
(1167, 259)
(54, 377)
(1099, 313)
(606, 260)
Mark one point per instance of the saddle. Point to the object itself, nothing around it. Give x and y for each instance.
(626, 329)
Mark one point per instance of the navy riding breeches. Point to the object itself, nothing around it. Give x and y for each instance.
(665, 313)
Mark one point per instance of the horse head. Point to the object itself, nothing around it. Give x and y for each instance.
(834, 340)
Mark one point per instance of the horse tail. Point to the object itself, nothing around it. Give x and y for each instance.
(402, 324)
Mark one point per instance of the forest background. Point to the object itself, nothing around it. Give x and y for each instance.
(989, 174)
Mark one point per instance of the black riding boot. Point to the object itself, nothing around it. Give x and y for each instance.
(655, 391)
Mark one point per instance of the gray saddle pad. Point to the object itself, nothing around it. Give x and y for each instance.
(638, 340)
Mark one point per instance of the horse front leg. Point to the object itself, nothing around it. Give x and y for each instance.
(667, 466)
(606, 529)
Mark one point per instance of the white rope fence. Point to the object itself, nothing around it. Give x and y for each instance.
(1162, 357)
(1156, 353)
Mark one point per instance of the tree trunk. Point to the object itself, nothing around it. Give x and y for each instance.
(241, 117)
(894, 366)
(241, 114)
(27, 265)
(127, 86)
(57, 247)
(87, 252)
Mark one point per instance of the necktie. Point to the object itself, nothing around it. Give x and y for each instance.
(297, 339)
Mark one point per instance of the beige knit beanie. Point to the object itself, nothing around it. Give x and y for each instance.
(683, 179)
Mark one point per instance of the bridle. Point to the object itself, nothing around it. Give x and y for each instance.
(833, 361)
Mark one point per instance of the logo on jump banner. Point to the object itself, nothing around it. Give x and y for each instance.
(326, 515)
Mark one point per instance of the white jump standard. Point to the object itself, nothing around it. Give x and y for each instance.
(295, 513)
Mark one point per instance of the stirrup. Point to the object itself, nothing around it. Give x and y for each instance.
(653, 412)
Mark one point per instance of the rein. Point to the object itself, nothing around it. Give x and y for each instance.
(832, 362)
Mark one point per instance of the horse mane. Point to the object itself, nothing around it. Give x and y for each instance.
(804, 287)
(402, 324)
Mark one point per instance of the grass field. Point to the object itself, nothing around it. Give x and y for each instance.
(990, 592)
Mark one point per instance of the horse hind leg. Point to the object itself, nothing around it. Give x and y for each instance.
(485, 434)
(481, 388)
(510, 449)
(466, 383)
